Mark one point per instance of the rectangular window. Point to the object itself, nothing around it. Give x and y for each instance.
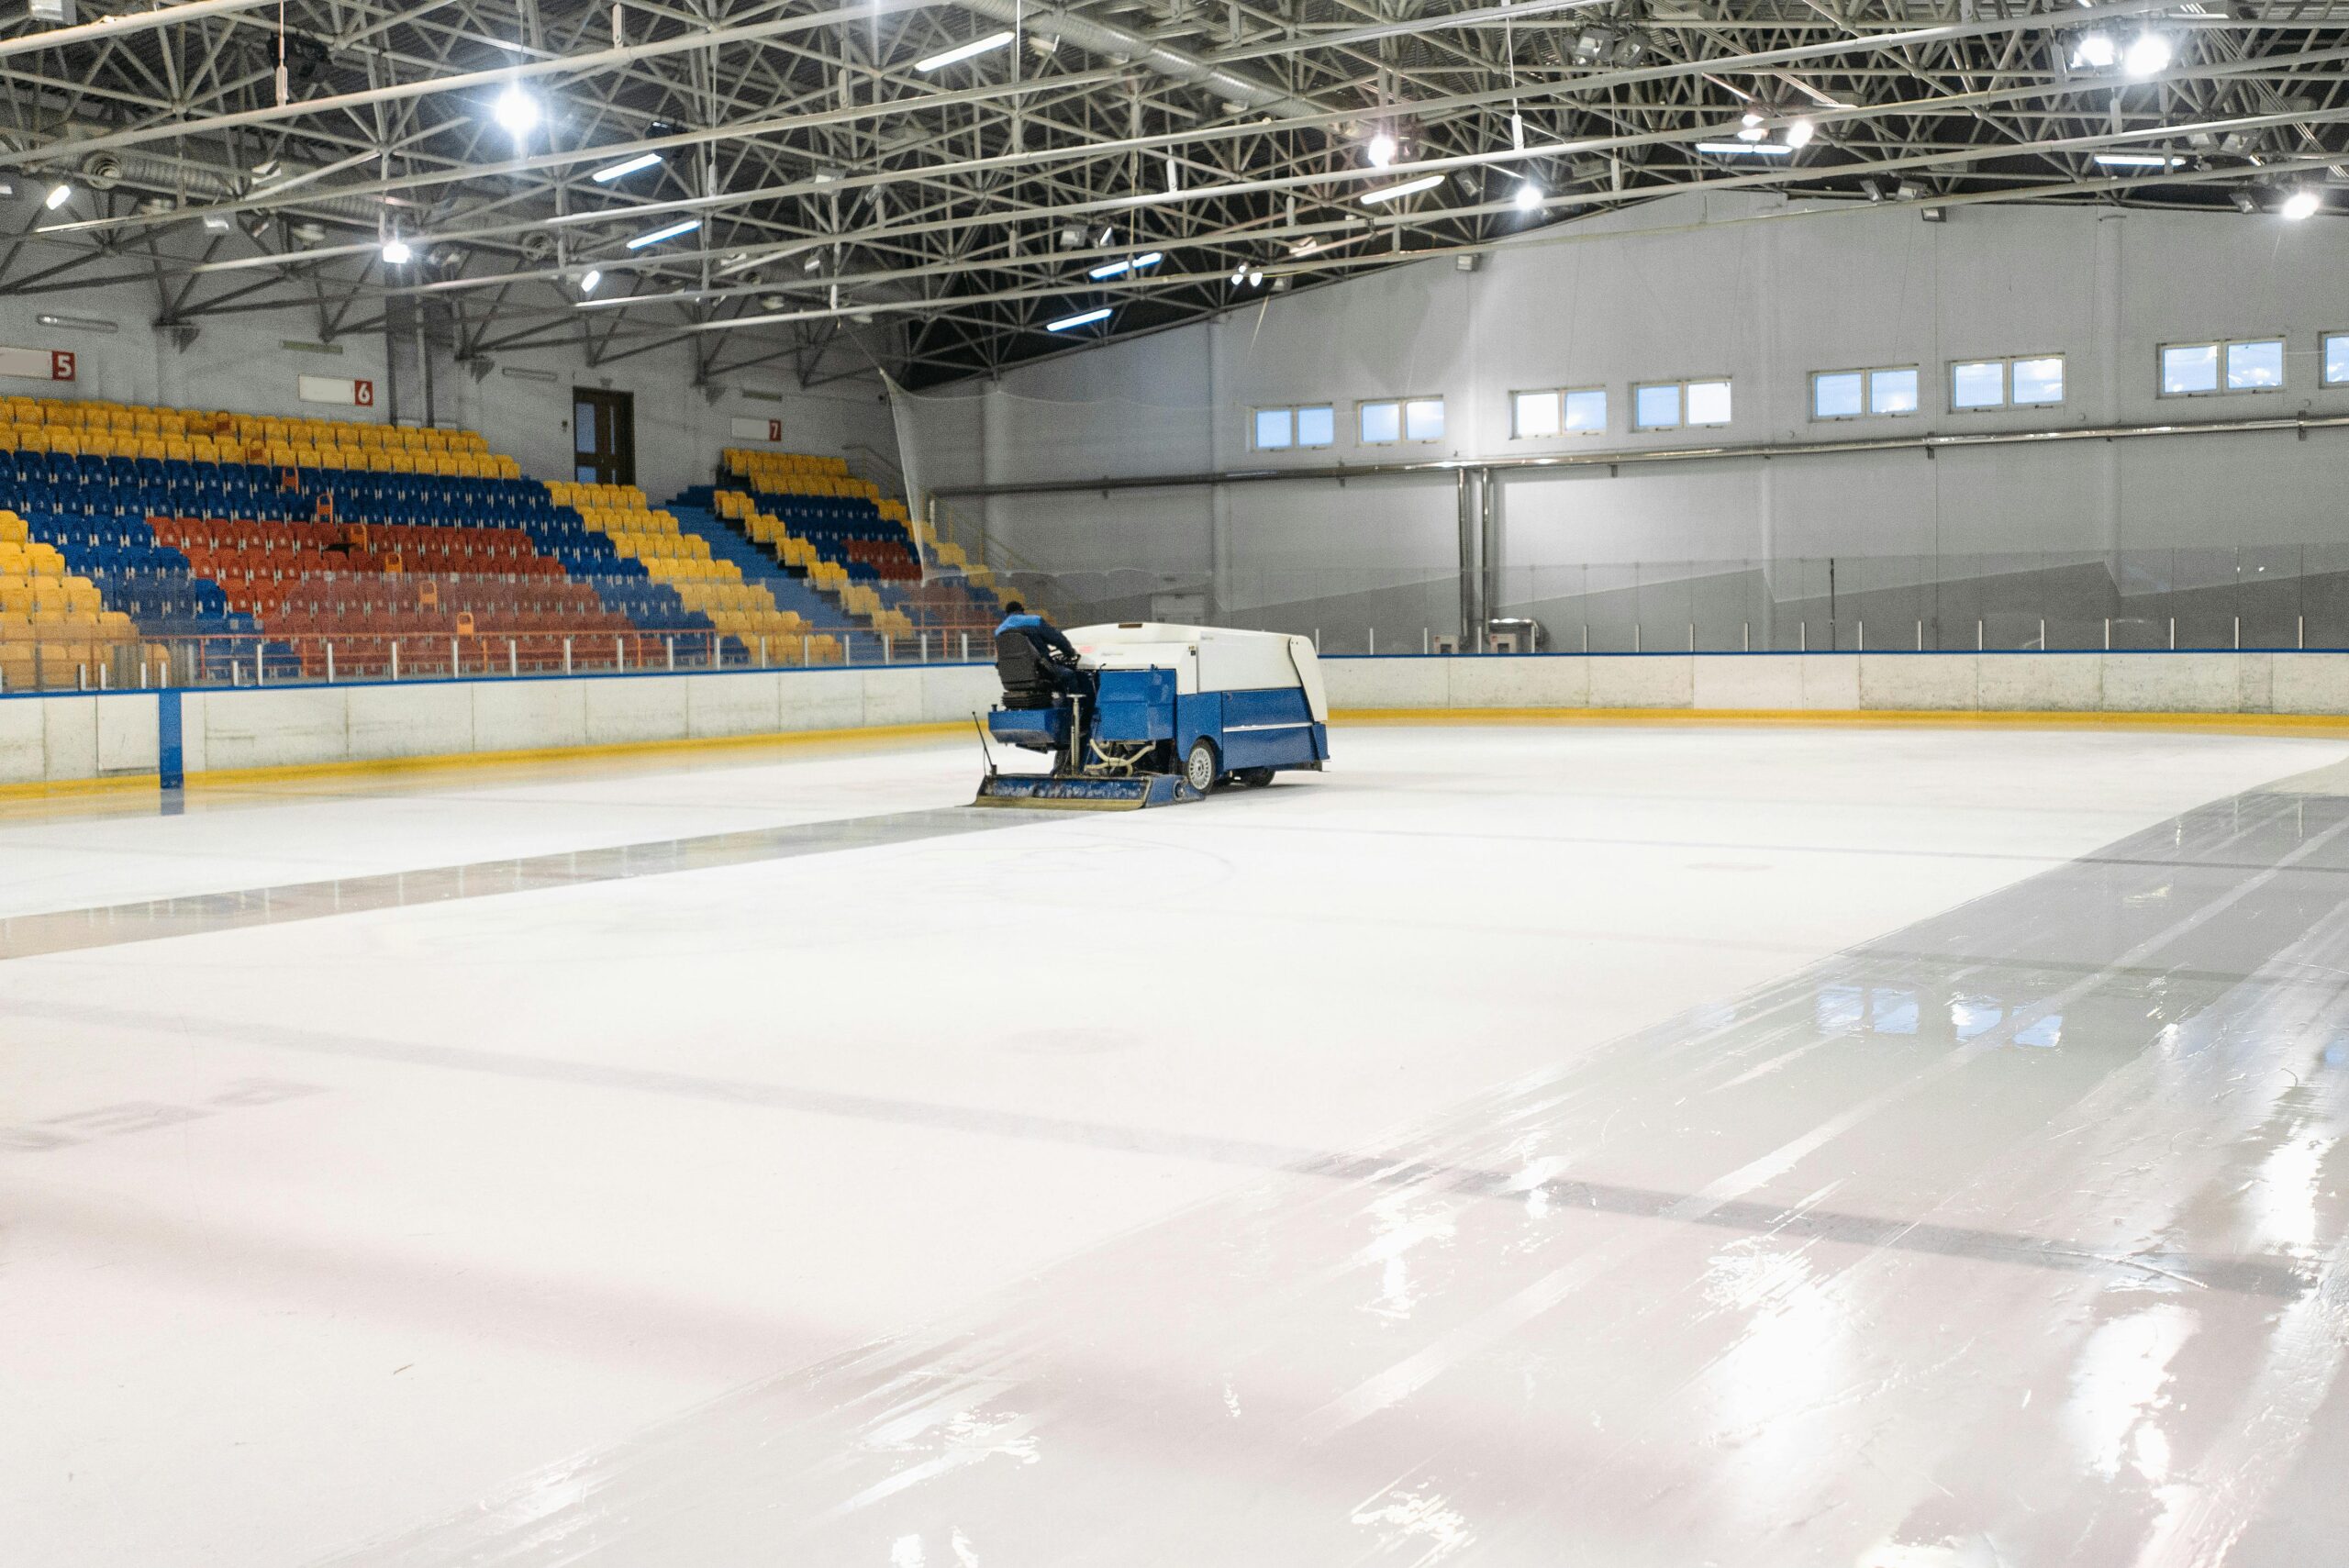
(1977, 383)
(1893, 391)
(1835, 394)
(1656, 408)
(2256, 366)
(2039, 380)
(1534, 414)
(1389, 420)
(1846, 394)
(2243, 364)
(2336, 359)
(2190, 368)
(1577, 411)
(1278, 430)
(1709, 403)
(2025, 381)
(1668, 405)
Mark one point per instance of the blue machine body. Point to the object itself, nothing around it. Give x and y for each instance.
(1272, 727)
(1126, 744)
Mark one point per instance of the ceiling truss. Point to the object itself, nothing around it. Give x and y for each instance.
(857, 213)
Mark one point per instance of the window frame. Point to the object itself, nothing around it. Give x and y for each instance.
(2006, 364)
(1868, 409)
(1917, 392)
(1680, 385)
(2222, 346)
(1857, 372)
(2324, 341)
(1401, 404)
(1296, 412)
(1558, 396)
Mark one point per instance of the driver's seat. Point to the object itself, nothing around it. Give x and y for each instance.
(1031, 680)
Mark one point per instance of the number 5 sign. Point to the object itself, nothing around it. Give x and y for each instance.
(61, 364)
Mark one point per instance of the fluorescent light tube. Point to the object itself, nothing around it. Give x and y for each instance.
(1388, 192)
(1746, 148)
(658, 235)
(945, 58)
(1121, 267)
(1082, 319)
(623, 168)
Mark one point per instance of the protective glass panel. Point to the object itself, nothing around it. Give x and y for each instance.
(1424, 419)
(1656, 408)
(2039, 380)
(1272, 429)
(1317, 426)
(1586, 412)
(2336, 360)
(1382, 422)
(2189, 367)
(1892, 392)
(1835, 394)
(1709, 403)
(1535, 413)
(1977, 383)
(2251, 366)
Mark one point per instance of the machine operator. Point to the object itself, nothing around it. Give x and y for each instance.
(1030, 650)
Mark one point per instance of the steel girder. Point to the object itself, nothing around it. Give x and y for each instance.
(855, 211)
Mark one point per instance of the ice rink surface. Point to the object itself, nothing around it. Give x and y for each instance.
(1625, 1145)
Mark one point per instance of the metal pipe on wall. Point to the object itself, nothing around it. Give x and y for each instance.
(1471, 613)
(1488, 593)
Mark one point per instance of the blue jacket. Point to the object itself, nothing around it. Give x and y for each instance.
(1043, 632)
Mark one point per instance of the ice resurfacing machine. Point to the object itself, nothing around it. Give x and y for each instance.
(1151, 715)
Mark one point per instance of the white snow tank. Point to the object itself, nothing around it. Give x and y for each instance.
(1209, 658)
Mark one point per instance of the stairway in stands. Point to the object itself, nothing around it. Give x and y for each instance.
(727, 542)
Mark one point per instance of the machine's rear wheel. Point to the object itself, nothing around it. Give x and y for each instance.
(1199, 765)
(1254, 778)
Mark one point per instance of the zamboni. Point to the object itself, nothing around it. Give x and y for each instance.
(1148, 714)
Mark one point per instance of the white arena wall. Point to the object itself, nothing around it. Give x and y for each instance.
(70, 739)
(2250, 683)
(1754, 288)
(680, 428)
(47, 739)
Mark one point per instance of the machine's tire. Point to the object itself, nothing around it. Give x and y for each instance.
(1200, 765)
(1254, 778)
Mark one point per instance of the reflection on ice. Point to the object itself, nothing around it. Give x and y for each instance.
(1414, 1528)
(2117, 1391)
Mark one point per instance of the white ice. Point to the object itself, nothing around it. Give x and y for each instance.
(424, 1201)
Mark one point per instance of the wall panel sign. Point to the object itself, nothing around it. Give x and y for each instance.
(38, 364)
(348, 391)
(758, 429)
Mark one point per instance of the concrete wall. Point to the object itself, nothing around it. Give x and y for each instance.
(1747, 286)
(2304, 683)
(240, 363)
(49, 740)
